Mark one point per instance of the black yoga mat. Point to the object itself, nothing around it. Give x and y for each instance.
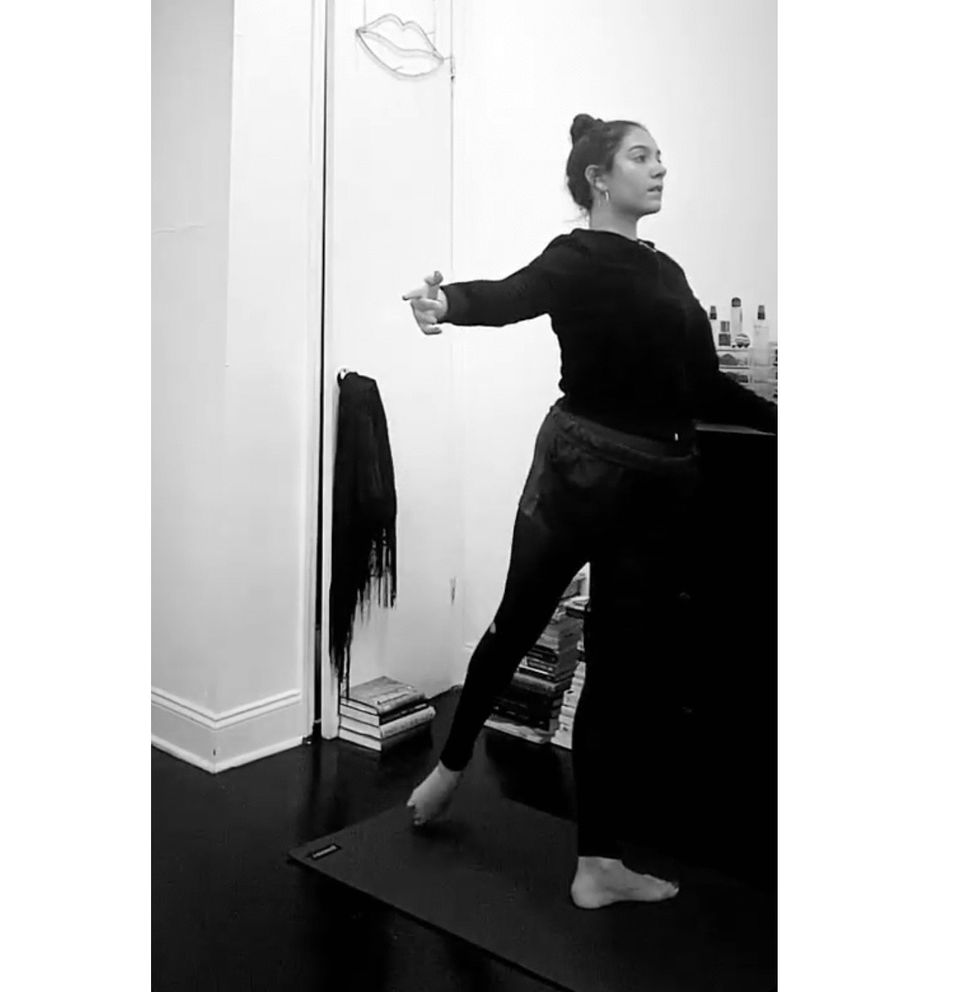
(497, 874)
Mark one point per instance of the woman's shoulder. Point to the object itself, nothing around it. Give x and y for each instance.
(565, 240)
(576, 244)
(566, 249)
(669, 259)
(672, 270)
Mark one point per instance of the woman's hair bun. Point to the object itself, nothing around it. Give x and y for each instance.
(582, 124)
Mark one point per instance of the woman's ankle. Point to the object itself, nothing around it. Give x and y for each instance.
(596, 861)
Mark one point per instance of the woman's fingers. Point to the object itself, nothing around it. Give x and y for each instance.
(433, 283)
(428, 323)
(430, 291)
(426, 305)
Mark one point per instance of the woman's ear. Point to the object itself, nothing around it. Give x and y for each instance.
(591, 174)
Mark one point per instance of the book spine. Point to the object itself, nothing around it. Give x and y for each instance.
(378, 719)
(566, 656)
(405, 735)
(548, 643)
(392, 728)
(534, 696)
(534, 683)
(354, 738)
(534, 667)
(385, 706)
(542, 653)
(375, 743)
(542, 725)
(516, 730)
(533, 703)
(514, 713)
(400, 702)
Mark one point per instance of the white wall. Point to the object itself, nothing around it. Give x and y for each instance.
(191, 137)
(272, 344)
(237, 118)
(701, 75)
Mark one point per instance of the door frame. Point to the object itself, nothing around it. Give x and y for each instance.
(321, 415)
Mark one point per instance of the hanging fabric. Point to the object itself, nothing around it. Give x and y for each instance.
(364, 509)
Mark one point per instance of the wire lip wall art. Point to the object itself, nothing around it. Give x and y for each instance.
(386, 40)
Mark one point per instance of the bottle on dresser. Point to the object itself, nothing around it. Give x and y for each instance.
(763, 356)
(760, 339)
(739, 338)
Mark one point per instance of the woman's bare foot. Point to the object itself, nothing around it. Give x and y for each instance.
(432, 796)
(602, 881)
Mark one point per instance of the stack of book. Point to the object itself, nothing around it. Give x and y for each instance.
(383, 713)
(530, 707)
(566, 716)
(576, 606)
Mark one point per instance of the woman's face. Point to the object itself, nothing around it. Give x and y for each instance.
(636, 180)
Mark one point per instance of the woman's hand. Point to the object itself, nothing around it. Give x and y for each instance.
(429, 304)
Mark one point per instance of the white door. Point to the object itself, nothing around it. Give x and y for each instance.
(388, 224)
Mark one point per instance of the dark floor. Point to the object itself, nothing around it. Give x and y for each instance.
(229, 911)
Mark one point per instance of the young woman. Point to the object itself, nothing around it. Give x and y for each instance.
(611, 481)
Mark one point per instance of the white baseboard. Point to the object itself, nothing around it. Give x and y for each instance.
(178, 752)
(176, 727)
(245, 757)
(217, 741)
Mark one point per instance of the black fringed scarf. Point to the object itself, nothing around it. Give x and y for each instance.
(364, 509)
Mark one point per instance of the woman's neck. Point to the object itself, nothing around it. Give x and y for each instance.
(601, 220)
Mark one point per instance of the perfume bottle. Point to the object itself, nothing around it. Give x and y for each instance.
(760, 339)
(736, 319)
(725, 335)
(713, 320)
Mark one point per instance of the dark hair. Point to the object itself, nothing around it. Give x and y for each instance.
(594, 142)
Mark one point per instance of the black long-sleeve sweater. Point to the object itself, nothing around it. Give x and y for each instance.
(636, 347)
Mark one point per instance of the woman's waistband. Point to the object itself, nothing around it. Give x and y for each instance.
(633, 450)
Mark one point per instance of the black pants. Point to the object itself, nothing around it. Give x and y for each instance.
(623, 504)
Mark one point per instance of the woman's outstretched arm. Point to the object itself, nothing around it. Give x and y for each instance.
(531, 291)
